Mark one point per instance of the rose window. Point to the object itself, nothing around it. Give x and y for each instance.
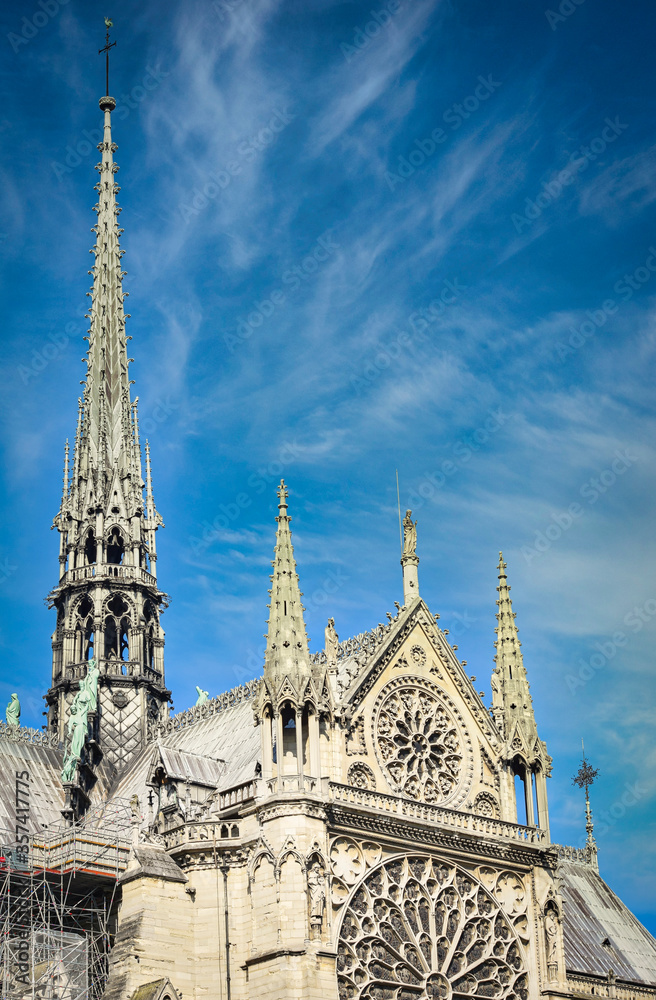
(418, 744)
(417, 928)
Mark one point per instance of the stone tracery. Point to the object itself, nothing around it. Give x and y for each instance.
(420, 928)
(418, 742)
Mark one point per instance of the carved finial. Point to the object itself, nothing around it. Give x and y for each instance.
(584, 778)
(331, 640)
(283, 493)
(108, 24)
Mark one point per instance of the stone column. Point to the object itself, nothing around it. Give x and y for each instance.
(543, 807)
(298, 718)
(528, 797)
(315, 749)
(280, 752)
(410, 578)
(267, 746)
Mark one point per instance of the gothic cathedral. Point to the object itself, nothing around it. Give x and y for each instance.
(344, 827)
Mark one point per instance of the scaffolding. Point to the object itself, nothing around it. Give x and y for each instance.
(57, 907)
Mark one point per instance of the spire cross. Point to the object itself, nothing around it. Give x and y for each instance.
(585, 775)
(584, 778)
(283, 493)
(108, 24)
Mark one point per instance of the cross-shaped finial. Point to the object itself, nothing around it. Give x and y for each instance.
(108, 24)
(585, 775)
(283, 493)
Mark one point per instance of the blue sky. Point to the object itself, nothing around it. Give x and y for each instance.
(417, 241)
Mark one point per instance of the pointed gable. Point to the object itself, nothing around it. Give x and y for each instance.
(161, 989)
(413, 714)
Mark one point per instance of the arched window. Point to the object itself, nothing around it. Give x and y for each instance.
(117, 628)
(83, 630)
(150, 618)
(115, 547)
(90, 549)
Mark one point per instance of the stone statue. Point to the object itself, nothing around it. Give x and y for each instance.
(497, 697)
(202, 696)
(551, 933)
(409, 535)
(316, 884)
(331, 642)
(85, 701)
(77, 730)
(12, 713)
(86, 698)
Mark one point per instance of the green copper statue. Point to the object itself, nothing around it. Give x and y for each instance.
(12, 713)
(202, 696)
(85, 701)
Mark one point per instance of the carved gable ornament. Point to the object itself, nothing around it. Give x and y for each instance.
(429, 651)
(161, 989)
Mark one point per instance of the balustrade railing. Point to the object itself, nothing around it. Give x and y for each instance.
(594, 986)
(237, 795)
(112, 668)
(100, 571)
(437, 815)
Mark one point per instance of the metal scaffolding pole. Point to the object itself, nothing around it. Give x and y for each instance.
(57, 908)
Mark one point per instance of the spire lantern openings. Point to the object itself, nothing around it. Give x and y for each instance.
(512, 707)
(287, 652)
(294, 694)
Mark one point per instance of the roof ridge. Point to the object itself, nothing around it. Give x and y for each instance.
(213, 706)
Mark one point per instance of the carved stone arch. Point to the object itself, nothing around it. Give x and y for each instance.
(316, 850)
(262, 850)
(409, 924)
(117, 540)
(90, 547)
(360, 775)
(121, 595)
(486, 804)
(289, 849)
(118, 618)
(256, 861)
(82, 607)
(82, 625)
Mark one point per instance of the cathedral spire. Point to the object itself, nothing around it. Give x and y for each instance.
(107, 599)
(524, 753)
(510, 682)
(287, 653)
(107, 385)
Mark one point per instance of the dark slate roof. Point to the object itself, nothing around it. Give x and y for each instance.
(46, 798)
(42, 758)
(600, 932)
(229, 736)
(198, 769)
(216, 751)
